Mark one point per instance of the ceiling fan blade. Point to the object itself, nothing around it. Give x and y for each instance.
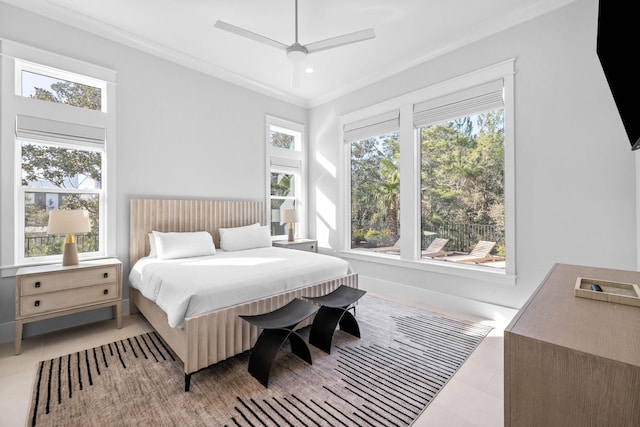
(358, 36)
(250, 35)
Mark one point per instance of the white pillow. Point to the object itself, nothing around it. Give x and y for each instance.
(152, 245)
(183, 244)
(247, 237)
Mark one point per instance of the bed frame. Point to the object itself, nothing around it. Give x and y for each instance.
(211, 337)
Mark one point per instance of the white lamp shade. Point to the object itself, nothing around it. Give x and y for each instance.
(289, 216)
(69, 221)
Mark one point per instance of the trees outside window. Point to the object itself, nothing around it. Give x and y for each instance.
(462, 181)
(55, 177)
(375, 191)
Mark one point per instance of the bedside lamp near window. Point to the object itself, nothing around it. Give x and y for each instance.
(290, 216)
(69, 222)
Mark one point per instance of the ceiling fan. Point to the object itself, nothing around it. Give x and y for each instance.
(297, 52)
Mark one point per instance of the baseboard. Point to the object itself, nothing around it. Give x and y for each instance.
(410, 294)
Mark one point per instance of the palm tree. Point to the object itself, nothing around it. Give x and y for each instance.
(388, 198)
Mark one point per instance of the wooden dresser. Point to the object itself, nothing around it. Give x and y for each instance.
(47, 291)
(571, 361)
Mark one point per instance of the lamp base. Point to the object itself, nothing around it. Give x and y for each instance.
(291, 237)
(70, 255)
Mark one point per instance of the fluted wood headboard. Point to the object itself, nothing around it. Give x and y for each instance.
(187, 215)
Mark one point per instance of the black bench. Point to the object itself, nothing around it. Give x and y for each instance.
(276, 327)
(334, 310)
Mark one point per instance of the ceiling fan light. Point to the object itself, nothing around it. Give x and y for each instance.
(296, 52)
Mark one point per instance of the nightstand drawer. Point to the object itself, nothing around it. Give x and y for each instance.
(61, 300)
(308, 245)
(38, 284)
(304, 246)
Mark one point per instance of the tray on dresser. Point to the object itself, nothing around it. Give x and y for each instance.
(615, 292)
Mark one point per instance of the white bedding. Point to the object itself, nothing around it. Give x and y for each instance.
(189, 286)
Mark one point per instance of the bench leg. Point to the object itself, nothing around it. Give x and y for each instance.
(187, 382)
(300, 348)
(325, 323)
(349, 324)
(266, 349)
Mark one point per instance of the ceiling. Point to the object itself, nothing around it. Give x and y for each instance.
(408, 32)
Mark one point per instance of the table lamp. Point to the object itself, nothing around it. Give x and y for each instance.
(69, 222)
(290, 216)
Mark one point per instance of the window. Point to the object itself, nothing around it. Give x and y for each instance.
(59, 176)
(49, 84)
(462, 171)
(375, 182)
(285, 157)
(454, 180)
(59, 152)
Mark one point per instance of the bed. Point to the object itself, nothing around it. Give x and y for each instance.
(206, 338)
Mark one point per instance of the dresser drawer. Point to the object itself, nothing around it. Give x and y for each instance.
(38, 284)
(66, 299)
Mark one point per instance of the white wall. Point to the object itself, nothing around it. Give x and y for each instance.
(575, 173)
(180, 134)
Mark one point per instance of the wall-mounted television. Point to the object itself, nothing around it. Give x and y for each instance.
(617, 45)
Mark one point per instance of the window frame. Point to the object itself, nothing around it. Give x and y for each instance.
(410, 177)
(281, 160)
(13, 59)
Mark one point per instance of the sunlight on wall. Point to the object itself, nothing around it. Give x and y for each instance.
(325, 218)
(323, 232)
(326, 164)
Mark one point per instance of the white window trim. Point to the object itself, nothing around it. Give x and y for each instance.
(287, 161)
(12, 105)
(409, 165)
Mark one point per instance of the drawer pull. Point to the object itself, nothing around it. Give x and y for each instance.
(106, 292)
(105, 275)
(37, 303)
(37, 284)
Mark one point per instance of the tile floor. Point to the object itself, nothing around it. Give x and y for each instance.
(473, 397)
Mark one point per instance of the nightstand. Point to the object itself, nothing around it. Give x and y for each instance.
(47, 291)
(308, 245)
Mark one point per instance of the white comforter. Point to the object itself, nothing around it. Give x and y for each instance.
(189, 286)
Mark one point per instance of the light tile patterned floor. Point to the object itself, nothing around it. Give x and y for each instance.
(473, 397)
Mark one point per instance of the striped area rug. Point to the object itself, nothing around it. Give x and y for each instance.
(386, 378)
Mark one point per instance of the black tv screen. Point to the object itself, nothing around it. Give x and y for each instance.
(617, 47)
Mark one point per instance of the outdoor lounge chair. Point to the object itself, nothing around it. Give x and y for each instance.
(394, 248)
(436, 248)
(480, 253)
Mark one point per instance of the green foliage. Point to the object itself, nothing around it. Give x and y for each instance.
(462, 179)
(377, 238)
(59, 165)
(357, 236)
(282, 140)
(282, 184)
(71, 93)
(375, 185)
(463, 169)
